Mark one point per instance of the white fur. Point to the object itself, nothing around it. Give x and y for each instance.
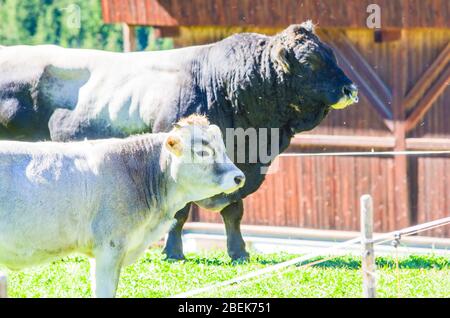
(57, 199)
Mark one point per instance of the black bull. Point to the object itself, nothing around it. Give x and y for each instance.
(289, 81)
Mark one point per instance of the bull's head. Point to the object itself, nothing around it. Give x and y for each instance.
(314, 80)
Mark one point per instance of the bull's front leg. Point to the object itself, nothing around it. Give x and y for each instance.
(174, 244)
(108, 264)
(232, 216)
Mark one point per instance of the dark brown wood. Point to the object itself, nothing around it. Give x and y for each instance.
(166, 32)
(385, 35)
(326, 13)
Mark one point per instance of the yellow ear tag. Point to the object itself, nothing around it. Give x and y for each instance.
(174, 145)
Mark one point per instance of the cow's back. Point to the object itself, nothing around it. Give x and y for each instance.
(51, 92)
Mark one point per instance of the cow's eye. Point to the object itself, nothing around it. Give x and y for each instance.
(203, 153)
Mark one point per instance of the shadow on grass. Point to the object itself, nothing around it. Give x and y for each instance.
(224, 261)
(410, 262)
(212, 261)
(341, 262)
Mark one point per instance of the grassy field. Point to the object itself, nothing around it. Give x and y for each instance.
(151, 276)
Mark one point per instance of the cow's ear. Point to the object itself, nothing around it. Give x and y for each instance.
(174, 145)
(308, 26)
(296, 31)
(279, 57)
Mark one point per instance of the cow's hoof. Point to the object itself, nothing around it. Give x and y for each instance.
(240, 258)
(174, 257)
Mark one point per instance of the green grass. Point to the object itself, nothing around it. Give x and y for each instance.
(151, 276)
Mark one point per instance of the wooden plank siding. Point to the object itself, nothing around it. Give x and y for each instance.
(320, 192)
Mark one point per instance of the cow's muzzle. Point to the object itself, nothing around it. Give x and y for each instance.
(349, 96)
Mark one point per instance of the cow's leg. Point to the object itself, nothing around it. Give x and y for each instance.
(108, 263)
(232, 216)
(174, 244)
(63, 125)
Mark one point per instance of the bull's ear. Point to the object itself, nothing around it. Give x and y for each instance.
(297, 30)
(174, 145)
(279, 57)
(308, 26)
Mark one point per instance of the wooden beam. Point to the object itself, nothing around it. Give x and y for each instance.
(129, 37)
(341, 141)
(301, 141)
(428, 77)
(401, 209)
(166, 32)
(428, 99)
(437, 144)
(386, 35)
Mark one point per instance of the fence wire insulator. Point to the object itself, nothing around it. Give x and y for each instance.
(396, 241)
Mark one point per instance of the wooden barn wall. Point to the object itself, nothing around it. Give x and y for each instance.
(320, 192)
(323, 192)
(329, 13)
(433, 191)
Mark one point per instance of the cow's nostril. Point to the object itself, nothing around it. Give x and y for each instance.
(239, 179)
(347, 91)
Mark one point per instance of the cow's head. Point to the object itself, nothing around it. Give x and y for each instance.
(314, 83)
(200, 165)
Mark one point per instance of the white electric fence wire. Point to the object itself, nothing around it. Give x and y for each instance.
(379, 239)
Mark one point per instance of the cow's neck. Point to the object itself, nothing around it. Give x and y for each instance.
(249, 93)
(148, 164)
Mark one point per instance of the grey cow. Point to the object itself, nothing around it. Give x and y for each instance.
(289, 81)
(107, 199)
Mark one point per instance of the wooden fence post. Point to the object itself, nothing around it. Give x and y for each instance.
(368, 256)
(129, 37)
(3, 293)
